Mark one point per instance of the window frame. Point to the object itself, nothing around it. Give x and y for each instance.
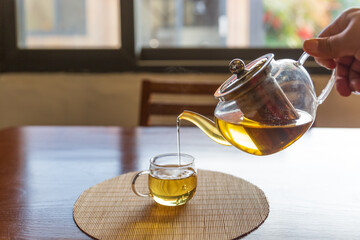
(212, 59)
(13, 59)
(177, 60)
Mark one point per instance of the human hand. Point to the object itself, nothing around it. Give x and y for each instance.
(338, 46)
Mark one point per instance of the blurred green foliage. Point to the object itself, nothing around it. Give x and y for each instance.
(287, 23)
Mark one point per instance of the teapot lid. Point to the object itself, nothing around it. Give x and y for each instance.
(244, 77)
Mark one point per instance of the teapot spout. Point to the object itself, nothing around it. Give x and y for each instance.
(205, 124)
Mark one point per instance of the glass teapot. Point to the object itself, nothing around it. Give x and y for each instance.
(264, 106)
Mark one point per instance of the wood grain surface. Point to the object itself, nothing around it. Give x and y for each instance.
(312, 186)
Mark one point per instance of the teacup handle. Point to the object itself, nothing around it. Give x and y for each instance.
(133, 183)
(326, 91)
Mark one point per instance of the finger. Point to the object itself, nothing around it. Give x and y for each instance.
(355, 84)
(342, 86)
(327, 63)
(355, 66)
(346, 60)
(354, 76)
(342, 70)
(327, 47)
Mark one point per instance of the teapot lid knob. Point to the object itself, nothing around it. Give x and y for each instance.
(237, 66)
(244, 77)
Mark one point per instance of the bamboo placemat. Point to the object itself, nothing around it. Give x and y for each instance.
(224, 207)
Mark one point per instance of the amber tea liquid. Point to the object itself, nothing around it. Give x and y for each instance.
(260, 139)
(172, 187)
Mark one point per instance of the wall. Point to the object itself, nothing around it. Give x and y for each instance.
(113, 99)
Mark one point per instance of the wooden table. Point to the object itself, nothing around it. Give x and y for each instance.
(312, 186)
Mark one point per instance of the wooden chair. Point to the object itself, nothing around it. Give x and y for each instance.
(180, 91)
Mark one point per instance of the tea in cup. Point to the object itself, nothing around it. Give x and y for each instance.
(172, 179)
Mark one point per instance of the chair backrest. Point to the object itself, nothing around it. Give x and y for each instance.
(187, 96)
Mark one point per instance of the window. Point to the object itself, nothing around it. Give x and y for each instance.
(66, 35)
(209, 33)
(233, 23)
(59, 24)
(118, 35)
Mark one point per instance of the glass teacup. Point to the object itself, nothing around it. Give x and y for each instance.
(172, 179)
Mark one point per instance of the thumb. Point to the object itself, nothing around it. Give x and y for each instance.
(325, 47)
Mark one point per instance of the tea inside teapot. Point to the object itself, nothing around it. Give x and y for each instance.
(248, 135)
(258, 138)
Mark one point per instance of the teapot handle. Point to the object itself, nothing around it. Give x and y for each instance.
(326, 91)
